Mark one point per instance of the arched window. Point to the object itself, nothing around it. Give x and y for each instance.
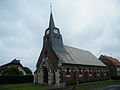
(68, 71)
(80, 71)
(85, 70)
(98, 70)
(90, 71)
(73, 69)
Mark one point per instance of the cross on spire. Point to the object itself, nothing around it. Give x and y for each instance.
(51, 7)
(51, 22)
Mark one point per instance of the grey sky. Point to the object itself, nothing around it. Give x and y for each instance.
(93, 25)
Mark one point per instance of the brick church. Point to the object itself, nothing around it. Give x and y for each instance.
(59, 64)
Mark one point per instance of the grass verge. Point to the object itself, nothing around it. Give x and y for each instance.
(85, 86)
(23, 86)
(3, 86)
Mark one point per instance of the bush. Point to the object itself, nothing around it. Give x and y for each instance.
(115, 77)
(81, 82)
(16, 79)
(71, 83)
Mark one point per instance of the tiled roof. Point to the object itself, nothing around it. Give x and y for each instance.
(13, 62)
(114, 60)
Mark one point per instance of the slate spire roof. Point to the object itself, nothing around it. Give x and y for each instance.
(51, 22)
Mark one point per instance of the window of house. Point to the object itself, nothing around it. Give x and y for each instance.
(118, 69)
(17, 66)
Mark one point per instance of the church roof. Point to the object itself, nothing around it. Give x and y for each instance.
(78, 56)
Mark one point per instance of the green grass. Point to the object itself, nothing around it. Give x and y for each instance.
(84, 86)
(24, 86)
(34, 88)
(2, 86)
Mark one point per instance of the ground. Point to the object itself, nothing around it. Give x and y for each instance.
(101, 85)
(24, 86)
(110, 87)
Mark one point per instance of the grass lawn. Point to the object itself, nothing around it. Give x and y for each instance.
(24, 86)
(31, 86)
(2, 86)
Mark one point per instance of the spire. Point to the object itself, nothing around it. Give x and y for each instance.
(51, 22)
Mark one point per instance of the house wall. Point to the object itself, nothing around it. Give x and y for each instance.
(118, 70)
(17, 66)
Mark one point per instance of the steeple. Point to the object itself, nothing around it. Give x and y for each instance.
(53, 37)
(51, 22)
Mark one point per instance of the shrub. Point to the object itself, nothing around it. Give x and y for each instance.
(71, 83)
(115, 77)
(16, 79)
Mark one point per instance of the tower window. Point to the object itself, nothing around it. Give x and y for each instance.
(47, 32)
(55, 31)
(46, 38)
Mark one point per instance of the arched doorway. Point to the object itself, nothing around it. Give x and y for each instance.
(45, 75)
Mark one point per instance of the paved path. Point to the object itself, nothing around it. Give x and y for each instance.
(110, 87)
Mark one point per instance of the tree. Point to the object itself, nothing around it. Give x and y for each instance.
(28, 71)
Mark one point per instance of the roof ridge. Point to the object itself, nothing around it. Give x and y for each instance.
(76, 48)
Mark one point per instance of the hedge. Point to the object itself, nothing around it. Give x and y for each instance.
(16, 79)
(115, 77)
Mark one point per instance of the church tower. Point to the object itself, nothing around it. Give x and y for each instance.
(49, 61)
(53, 37)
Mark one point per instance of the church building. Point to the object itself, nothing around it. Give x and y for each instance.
(59, 64)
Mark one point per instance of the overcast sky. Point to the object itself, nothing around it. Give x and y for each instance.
(92, 25)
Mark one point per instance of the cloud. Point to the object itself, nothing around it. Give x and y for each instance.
(92, 25)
